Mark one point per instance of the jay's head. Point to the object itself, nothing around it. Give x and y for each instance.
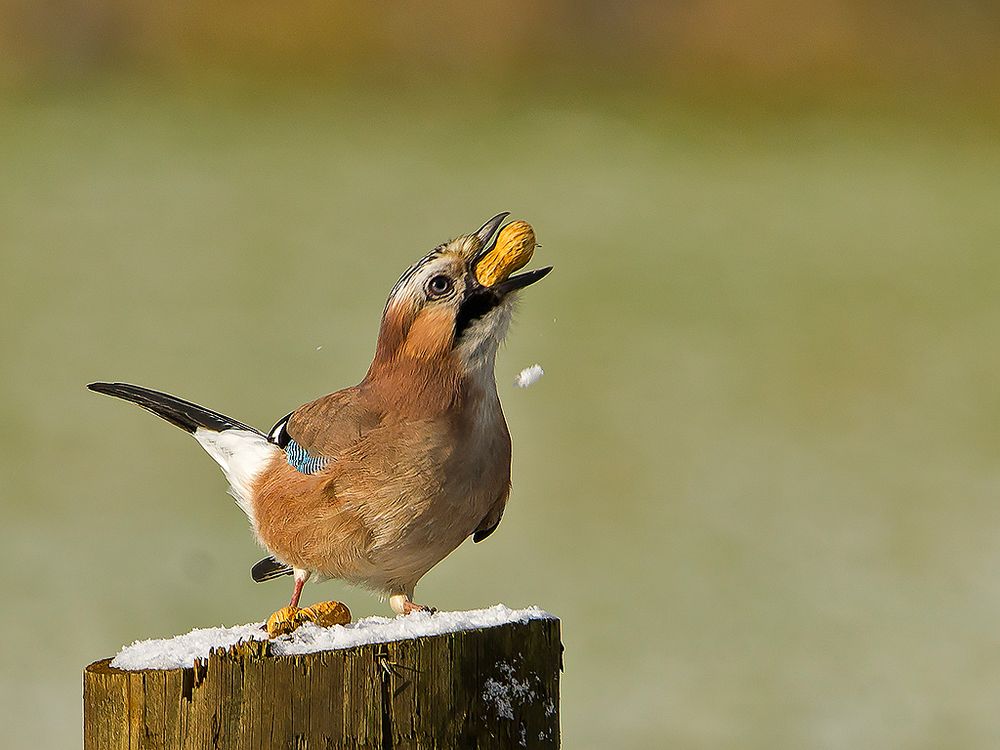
(456, 302)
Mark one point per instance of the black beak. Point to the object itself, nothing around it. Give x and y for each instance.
(480, 299)
(520, 281)
(487, 236)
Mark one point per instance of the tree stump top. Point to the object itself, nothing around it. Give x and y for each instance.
(493, 686)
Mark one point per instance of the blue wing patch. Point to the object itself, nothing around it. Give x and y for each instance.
(300, 460)
(297, 456)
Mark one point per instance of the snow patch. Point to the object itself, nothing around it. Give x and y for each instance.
(181, 651)
(507, 692)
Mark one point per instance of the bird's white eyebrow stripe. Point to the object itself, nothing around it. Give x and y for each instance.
(409, 272)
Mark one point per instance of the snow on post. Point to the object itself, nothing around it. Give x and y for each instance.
(484, 678)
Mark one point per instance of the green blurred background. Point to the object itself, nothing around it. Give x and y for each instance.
(759, 479)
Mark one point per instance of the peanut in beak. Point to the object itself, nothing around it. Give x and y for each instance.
(514, 247)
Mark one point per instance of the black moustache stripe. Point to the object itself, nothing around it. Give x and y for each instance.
(473, 307)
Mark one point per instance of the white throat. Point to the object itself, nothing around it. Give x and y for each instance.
(477, 349)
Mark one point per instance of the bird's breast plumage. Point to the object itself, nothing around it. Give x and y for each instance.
(391, 502)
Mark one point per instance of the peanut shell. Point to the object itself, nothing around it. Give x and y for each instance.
(327, 614)
(514, 247)
(285, 620)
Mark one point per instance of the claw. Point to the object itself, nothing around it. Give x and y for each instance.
(402, 605)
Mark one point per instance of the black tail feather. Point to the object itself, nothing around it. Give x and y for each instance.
(177, 411)
(268, 568)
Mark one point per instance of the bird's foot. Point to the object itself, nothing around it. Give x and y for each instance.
(402, 605)
(323, 614)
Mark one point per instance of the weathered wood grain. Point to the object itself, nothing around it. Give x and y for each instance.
(488, 688)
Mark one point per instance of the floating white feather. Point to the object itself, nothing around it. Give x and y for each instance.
(529, 376)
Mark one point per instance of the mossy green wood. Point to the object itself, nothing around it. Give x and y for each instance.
(488, 688)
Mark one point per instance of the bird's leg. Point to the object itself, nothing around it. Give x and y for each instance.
(301, 576)
(286, 619)
(401, 605)
(324, 614)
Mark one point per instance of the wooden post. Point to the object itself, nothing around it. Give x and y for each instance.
(494, 687)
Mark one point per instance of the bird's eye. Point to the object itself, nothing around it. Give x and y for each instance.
(439, 286)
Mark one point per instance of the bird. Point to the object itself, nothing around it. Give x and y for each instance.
(376, 483)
